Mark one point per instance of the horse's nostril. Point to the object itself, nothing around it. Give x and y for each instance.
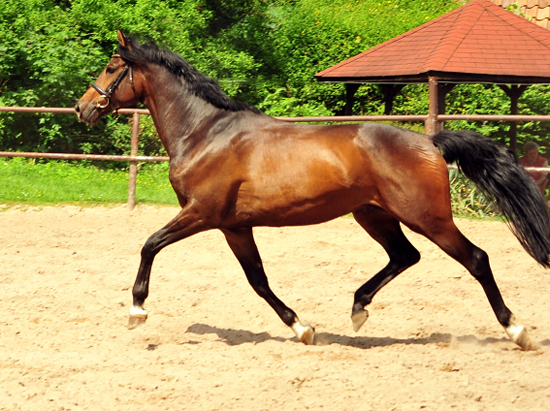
(77, 108)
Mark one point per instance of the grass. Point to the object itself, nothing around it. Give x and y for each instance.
(62, 182)
(54, 182)
(467, 200)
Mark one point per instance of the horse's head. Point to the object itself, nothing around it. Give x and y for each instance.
(114, 88)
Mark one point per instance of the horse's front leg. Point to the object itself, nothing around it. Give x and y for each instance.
(186, 223)
(243, 246)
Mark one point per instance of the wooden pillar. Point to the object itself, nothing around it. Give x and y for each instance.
(351, 88)
(514, 92)
(436, 104)
(431, 125)
(390, 91)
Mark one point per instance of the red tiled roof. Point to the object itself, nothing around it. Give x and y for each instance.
(479, 38)
(536, 11)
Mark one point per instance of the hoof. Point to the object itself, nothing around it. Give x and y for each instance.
(518, 334)
(136, 320)
(308, 336)
(358, 318)
(304, 332)
(524, 341)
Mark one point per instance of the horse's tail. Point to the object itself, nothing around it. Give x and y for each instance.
(495, 170)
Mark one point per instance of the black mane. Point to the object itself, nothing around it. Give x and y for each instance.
(199, 84)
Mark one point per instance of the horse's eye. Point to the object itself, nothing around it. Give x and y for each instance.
(110, 70)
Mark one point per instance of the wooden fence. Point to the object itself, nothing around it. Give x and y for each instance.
(134, 158)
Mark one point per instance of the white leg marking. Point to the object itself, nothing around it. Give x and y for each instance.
(137, 310)
(304, 332)
(518, 334)
(138, 315)
(514, 331)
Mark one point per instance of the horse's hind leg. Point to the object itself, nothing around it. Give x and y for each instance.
(243, 246)
(385, 229)
(476, 261)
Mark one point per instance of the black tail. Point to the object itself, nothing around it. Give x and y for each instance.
(497, 173)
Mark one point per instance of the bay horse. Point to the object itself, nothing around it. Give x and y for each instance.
(234, 168)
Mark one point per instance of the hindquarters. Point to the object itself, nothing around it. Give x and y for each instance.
(413, 186)
(410, 176)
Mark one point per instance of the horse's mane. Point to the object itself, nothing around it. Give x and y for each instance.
(199, 84)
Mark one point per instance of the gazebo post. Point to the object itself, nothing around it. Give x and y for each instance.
(390, 91)
(431, 125)
(351, 88)
(514, 92)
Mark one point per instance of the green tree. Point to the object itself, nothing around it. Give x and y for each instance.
(50, 51)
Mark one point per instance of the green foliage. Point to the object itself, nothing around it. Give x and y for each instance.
(41, 64)
(284, 102)
(312, 35)
(535, 101)
(50, 52)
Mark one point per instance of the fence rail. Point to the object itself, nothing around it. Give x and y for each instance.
(98, 157)
(134, 158)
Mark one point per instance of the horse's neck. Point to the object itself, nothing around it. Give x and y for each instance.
(177, 113)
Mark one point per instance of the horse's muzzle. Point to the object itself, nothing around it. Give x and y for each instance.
(86, 113)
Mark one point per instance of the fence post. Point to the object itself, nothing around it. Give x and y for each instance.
(132, 178)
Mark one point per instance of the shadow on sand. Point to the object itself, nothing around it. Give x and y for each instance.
(237, 337)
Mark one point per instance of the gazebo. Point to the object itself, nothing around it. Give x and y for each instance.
(479, 42)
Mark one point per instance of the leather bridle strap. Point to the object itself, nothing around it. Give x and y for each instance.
(106, 94)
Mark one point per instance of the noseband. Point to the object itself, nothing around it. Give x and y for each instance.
(106, 94)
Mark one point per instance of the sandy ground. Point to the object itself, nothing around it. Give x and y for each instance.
(431, 342)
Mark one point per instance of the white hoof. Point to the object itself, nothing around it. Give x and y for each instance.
(518, 334)
(358, 319)
(138, 316)
(304, 332)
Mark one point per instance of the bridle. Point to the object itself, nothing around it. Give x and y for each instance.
(106, 94)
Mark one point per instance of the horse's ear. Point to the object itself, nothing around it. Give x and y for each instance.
(122, 40)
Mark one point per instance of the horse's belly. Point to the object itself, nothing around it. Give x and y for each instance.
(296, 209)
